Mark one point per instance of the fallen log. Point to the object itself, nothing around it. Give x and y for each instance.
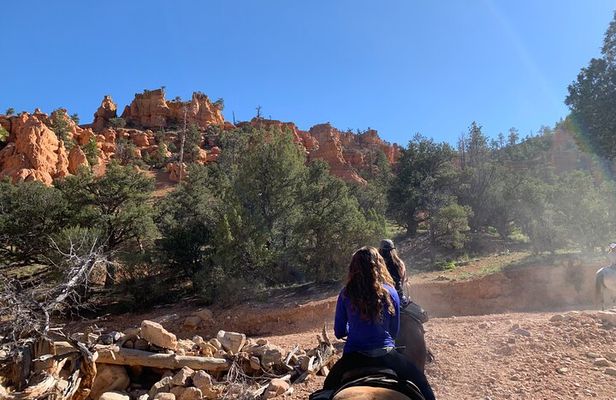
(131, 357)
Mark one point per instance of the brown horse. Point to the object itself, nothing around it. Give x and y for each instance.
(369, 393)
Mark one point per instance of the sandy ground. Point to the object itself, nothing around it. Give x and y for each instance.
(509, 356)
(504, 355)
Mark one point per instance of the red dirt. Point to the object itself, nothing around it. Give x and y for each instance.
(477, 357)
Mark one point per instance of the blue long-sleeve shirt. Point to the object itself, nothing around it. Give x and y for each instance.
(362, 334)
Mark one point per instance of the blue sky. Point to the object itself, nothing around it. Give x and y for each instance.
(401, 67)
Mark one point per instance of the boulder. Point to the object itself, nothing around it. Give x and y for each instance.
(154, 333)
(109, 378)
(231, 341)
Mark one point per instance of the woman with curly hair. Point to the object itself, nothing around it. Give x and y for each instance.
(368, 315)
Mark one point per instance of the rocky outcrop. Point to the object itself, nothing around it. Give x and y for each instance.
(150, 109)
(34, 152)
(330, 150)
(76, 159)
(105, 112)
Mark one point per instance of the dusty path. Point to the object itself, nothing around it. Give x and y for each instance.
(509, 356)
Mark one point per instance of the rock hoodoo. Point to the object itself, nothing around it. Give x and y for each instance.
(105, 112)
(150, 109)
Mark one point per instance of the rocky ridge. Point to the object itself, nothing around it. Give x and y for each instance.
(147, 125)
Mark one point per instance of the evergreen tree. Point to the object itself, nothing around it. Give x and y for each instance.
(424, 173)
(593, 95)
(115, 204)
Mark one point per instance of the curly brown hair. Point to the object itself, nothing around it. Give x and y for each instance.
(367, 274)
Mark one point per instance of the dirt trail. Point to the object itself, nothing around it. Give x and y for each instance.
(498, 355)
(509, 356)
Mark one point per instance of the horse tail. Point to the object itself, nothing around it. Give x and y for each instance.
(599, 288)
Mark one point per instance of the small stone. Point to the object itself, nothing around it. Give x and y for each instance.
(191, 322)
(198, 340)
(522, 332)
(182, 377)
(601, 362)
(216, 343)
(562, 370)
(255, 363)
(262, 342)
(191, 393)
(276, 388)
(452, 342)
(205, 315)
(593, 355)
(483, 325)
(610, 355)
(610, 371)
(160, 386)
(557, 318)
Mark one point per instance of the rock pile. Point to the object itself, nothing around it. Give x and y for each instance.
(151, 363)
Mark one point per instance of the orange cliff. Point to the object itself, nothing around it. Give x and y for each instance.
(34, 151)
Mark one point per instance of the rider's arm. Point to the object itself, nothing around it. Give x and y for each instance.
(341, 320)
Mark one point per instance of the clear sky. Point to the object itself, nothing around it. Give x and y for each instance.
(399, 66)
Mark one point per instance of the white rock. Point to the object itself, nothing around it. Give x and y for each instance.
(231, 341)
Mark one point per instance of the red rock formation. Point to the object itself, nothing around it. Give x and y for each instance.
(150, 109)
(33, 152)
(330, 150)
(105, 112)
(76, 159)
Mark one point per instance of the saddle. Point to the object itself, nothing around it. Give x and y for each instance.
(372, 377)
(416, 312)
